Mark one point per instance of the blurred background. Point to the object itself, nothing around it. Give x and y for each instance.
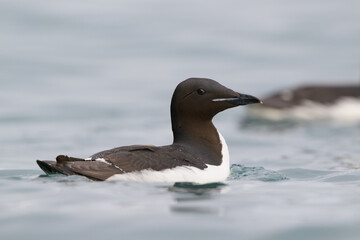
(78, 77)
(70, 68)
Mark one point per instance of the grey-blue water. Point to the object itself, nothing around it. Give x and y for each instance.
(78, 77)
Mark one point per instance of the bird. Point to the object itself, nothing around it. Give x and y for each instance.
(310, 102)
(326, 95)
(198, 154)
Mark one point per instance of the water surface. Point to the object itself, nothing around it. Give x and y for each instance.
(79, 78)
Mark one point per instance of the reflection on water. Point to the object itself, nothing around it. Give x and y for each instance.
(197, 190)
(208, 186)
(197, 210)
(194, 198)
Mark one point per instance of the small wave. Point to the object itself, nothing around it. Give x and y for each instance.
(301, 174)
(240, 172)
(37, 175)
(19, 174)
(60, 178)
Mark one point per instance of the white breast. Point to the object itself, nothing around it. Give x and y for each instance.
(184, 173)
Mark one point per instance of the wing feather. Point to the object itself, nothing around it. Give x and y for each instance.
(123, 160)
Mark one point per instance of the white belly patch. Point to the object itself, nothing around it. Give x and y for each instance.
(210, 174)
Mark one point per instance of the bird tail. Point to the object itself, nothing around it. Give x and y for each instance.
(95, 170)
(58, 166)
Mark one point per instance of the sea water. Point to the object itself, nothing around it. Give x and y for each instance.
(77, 78)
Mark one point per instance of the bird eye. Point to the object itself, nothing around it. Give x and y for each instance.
(200, 91)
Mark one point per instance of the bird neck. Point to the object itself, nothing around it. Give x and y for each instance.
(200, 135)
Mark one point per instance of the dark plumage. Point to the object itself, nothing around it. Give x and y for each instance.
(318, 94)
(196, 141)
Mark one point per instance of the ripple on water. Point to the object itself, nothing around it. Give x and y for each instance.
(300, 174)
(240, 172)
(19, 174)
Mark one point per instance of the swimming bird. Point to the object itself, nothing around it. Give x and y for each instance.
(313, 102)
(198, 154)
(324, 95)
